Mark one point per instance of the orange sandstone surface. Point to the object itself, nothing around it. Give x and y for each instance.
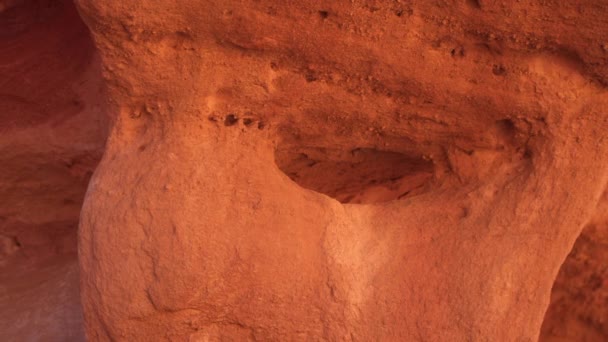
(265, 170)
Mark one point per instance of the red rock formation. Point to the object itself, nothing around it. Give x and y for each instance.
(344, 170)
(213, 241)
(579, 301)
(51, 138)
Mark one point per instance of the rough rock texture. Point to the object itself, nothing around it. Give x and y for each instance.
(579, 303)
(192, 230)
(324, 170)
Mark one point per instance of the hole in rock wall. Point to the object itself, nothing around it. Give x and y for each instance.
(359, 175)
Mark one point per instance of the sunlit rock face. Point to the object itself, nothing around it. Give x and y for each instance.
(330, 170)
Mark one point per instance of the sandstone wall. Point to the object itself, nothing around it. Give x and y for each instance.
(327, 170)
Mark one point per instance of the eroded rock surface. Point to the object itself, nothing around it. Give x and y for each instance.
(51, 138)
(328, 170)
(579, 302)
(491, 115)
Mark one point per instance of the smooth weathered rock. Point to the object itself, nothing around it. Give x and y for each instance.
(191, 231)
(52, 130)
(453, 149)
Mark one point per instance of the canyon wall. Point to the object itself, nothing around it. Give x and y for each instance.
(332, 170)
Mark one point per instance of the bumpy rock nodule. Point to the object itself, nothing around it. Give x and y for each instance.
(210, 239)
